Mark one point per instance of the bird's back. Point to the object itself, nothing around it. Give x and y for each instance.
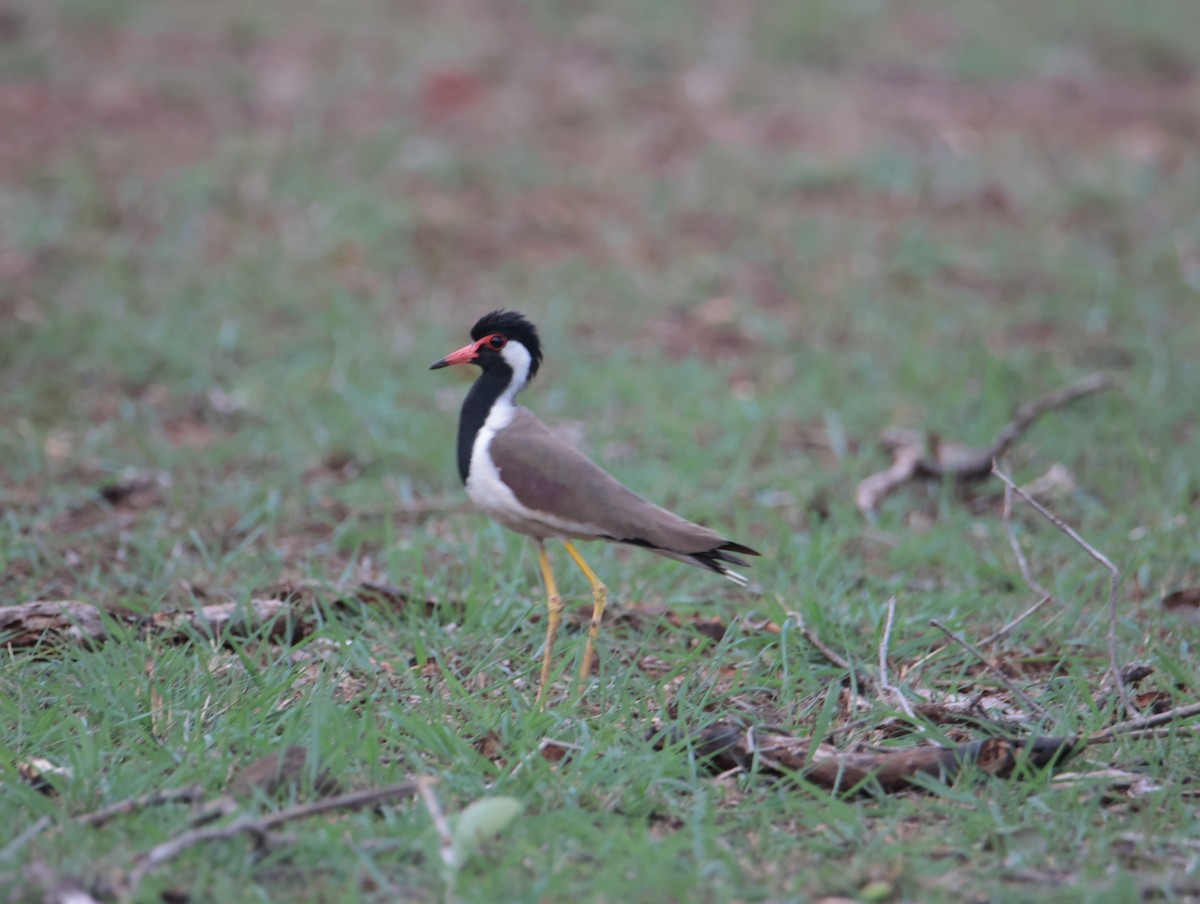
(552, 478)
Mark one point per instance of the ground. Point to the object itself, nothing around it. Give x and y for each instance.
(754, 236)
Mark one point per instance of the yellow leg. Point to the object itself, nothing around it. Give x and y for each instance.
(599, 601)
(554, 609)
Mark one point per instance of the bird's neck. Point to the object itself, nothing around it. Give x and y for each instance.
(495, 387)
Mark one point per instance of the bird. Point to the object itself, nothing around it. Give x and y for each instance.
(519, 473)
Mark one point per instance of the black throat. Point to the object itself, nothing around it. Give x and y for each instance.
(476, 407)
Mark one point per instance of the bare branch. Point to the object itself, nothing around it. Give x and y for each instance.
(259, 827)
(440, 823)
(996, 635)
(883, 668)
(808, 634)
(1114, 575)
(725, 747)
(1031, 411)
(189, 795)
(97, 818)
(1022, 562)
(991, 638)
(1141, 724)
(915, 455)
(32, 831)
(905, 462)
(1034, 708)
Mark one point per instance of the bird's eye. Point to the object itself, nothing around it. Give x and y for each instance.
(497, 342)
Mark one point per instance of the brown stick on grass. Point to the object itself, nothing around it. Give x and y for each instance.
(916, 455)
(884, 684)
(258, 827)
(1114, 581)
(1035, 709)
(1141, 724)
(996, 635)
(725, 747)
(1018, 552)
(97, 818)
(819, 645)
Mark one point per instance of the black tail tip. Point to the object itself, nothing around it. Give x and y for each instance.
(738, 548)
(716, 557)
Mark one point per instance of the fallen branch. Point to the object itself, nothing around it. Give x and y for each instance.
(440, 823)
(1147, 734)
(819, 645)
(916, 455)
(1018, 552)
(97, 818)
(34, 829)
(978, 466)
(725, 746)
(884, 684)
(189, 795)
(258, 827)
(1143, 723)
(1114, 582)
(1034, 708)
(906, 463)
(71, 621)
(996, 635)
(287, 617)
(44, 622)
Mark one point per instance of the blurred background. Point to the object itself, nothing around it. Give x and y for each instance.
(233, 236)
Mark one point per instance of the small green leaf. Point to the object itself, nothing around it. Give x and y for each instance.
(486, 816)
(876, 891)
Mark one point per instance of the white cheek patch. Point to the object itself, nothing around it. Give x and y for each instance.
(518, 358)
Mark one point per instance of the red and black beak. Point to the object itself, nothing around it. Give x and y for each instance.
(468, 354)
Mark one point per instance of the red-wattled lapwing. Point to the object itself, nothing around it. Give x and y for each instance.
(519, 473)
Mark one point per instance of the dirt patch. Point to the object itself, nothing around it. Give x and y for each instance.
(152, 102)
(1147, 119)
(488, 228)
(710, 330)
(123, 126)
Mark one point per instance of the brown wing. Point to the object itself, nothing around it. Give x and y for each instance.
(550, 476)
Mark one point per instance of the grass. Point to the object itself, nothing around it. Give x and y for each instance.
(232, 243)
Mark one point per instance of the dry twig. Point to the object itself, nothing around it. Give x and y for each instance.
(1141, 724)
(884, 684)
(29, 624)
(440, 823)
(1034, 708)
(915, 455)
(1030, 412)
(1022, 562)
(996, 635)
(726, 747)
(34, 829)
(1114, 575)
(257, 826)
(819, 645)
(189, 795)
(288, 615)
(906, 462)
(97, 818)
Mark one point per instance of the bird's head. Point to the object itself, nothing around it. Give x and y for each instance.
(501, 340)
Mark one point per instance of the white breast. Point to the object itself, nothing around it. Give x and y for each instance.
(487, 490)
(484, 486)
